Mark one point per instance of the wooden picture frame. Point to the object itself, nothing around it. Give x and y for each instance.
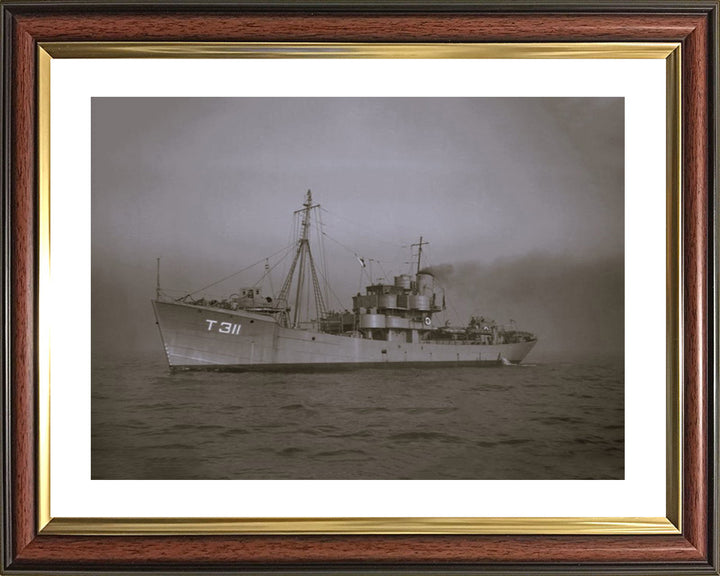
(30, 547)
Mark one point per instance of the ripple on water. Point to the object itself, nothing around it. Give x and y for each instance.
(542, 421)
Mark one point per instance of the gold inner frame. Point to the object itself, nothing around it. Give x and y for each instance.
(671, 524)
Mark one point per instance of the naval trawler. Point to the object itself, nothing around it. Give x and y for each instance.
(391, 324)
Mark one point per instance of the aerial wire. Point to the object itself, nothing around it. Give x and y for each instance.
(235, 273)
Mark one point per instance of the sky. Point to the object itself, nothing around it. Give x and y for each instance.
(520, 199)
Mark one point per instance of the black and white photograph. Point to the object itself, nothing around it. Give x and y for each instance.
(358, 288)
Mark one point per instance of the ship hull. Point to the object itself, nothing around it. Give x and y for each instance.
(199, 337)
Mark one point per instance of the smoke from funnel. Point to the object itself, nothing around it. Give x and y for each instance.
(576, 308)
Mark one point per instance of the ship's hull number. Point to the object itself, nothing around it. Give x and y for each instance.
(223, 327)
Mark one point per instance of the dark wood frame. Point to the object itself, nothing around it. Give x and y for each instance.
(693, 23)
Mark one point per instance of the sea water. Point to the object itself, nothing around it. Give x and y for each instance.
(559, 420)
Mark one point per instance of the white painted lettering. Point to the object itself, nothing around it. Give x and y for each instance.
(223, 327)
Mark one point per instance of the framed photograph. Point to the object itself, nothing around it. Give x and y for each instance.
(359, 287)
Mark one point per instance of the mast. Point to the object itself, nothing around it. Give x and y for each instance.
(157, 281)
(303, 246)
(419, 245)
(302, 255)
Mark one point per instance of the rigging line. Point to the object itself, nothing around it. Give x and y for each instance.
(271, 268)
(235, 273)
(367, 274)
(292, 239)
(176, 290)
(287, 284)
(272, 290)
(341, 244)
(327, 284)
(360, 259)
(363, 226)
(318, 239)
(319, 303)
(307, 302)
(385, 274)
(323, 252)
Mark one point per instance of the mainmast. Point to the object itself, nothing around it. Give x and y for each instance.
(303, 256)
(419, 245)
(303, 247)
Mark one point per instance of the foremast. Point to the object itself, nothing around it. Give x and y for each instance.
(302, 260)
